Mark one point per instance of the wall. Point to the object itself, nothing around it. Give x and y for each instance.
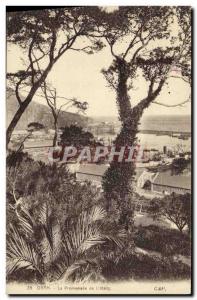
(160, 188)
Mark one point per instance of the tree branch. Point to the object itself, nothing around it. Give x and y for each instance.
(151, 96)
(173, 105)
(17, 92)
(31, 60)
(179, 77)
(111, 47)
(66, 46)
(132, 43)
(52, 48)
(80, 49)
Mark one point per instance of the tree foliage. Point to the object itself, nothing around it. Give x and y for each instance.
(166, 241)
(35, 126)
(149, 43)
(45, 35)
(176, 208)
(76, 136)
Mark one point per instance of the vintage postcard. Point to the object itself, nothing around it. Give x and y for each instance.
(98, 158)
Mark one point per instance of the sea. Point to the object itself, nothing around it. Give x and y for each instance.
(172, 123)
(166, 122)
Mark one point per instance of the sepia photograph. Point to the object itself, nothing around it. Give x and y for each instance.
(99, 150)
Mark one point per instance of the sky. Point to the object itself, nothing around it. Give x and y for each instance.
(79, 75)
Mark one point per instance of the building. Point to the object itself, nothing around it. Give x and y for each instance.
(166, 183)
(160, 183)
(91, 172)
(151, 154)
(95, 172)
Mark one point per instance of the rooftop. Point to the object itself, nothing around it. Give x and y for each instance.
(179, 181)
(92, 169)
(99, 170)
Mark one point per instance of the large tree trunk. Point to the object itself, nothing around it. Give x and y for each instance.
(16, 118)
(25, 104)
(117, 182)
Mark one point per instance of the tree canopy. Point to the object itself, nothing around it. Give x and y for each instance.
(76, 136)
(176, 208)
(45, 35)
(150, 43)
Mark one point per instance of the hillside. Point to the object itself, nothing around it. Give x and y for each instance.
(41, 113)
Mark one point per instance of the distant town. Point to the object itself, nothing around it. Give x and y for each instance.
(157, 175)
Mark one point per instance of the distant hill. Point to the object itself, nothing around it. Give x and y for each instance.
(41, 113)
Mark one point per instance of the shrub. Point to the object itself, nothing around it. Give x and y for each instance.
(166, 241)
(56, 227)
(144, 267)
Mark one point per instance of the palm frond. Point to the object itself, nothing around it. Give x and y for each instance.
(25, 222)
(73, 268)
(117, 239)
(20, 254)
(97, 213)
(43, 214)
(86, 234)
(51, 242)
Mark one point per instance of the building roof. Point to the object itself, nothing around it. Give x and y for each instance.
(92, 169)
(99, 170)
(179, 181)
